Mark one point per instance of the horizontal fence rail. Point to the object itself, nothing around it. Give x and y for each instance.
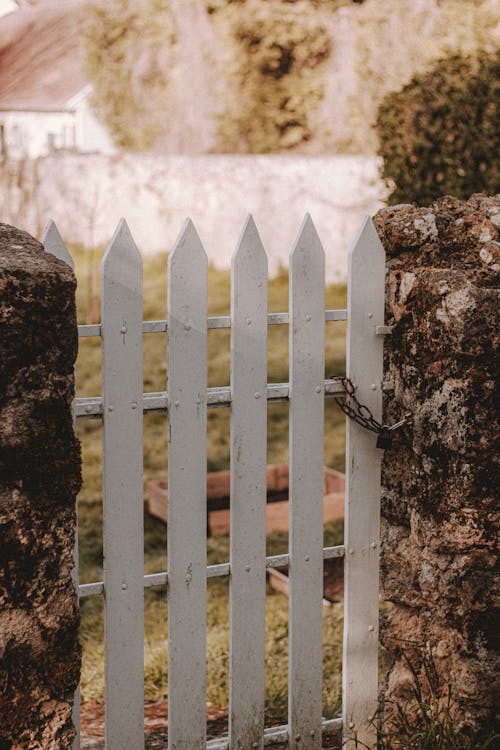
(216, 397)
(213, 571)
(185, 401)
(221, 321)
(277, 735)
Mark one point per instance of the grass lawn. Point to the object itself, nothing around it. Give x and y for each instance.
(88, 377)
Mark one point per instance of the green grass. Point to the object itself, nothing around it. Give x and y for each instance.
(428, 717)
(88, 376)
(155, 654)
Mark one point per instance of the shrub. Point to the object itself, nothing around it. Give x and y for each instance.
(128, 55)
(439, 135)
(275, 78)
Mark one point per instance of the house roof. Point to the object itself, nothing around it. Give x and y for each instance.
(41, 60)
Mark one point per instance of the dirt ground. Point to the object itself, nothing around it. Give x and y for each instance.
(155, 726)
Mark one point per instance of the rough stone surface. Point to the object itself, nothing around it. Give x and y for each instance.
(439, 560)
(39, 481)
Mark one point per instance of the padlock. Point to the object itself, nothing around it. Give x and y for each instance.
(384, 440)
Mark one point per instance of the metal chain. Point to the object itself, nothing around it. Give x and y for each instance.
(363, 416)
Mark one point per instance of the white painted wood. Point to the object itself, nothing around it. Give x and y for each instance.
(219, 397)
(53, 243)
(307, 346)
(122, 485)
(248, 490)
(213, 571)
(186, 401)
(275, 735)
(187, 461)
(362, 503)
(220, 321)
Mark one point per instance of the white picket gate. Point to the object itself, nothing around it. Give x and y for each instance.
(121, 407)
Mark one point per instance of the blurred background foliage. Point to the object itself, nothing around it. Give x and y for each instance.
(128, 58)
(276, 75)
(440, 134)
(262, 76)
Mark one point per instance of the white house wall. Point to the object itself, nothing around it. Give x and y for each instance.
(32, 134)
(29, 133)
(91, 136)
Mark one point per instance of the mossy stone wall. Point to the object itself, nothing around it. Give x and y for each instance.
(39, 481)
(439, 558)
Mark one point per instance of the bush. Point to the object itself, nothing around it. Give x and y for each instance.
(128, 56)
(275, 78)
(439, 135)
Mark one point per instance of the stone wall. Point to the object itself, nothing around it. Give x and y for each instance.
(439, 564)
(39, 481)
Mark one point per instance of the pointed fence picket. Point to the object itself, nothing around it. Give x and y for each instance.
(365, 313)
(307, 372)
(122, 405)
(121, 330)
(187, 498)
(248, 490)
(53, 243)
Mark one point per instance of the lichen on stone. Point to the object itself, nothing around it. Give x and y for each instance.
(439, 555)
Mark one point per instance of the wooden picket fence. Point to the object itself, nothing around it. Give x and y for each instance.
(121, 407)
